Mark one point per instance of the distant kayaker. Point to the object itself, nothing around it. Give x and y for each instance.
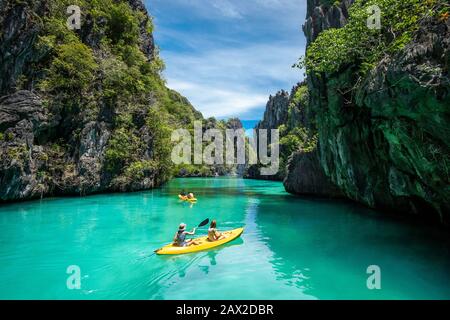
(183, 193)
(213, 234)
(180, 237)
(190, 195)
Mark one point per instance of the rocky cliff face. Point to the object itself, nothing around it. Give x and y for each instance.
(82, 111)
(275, 115)
(387, 144)
(300, 169)
(22, 119)
(305, 175)
(20, 28)
(288, 113)
(322, 15)
(276, 112)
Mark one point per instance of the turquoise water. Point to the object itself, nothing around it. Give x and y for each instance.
(292, 248)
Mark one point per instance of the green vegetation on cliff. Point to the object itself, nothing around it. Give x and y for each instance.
(294, 135)
(115, 71)
(99, 96)
(288, 114)
(111, 68)
(379, 100)
(355, 43)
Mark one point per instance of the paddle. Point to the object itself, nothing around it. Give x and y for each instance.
(203, 223)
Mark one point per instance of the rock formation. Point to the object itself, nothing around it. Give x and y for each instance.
(82, 111)
(387, 144)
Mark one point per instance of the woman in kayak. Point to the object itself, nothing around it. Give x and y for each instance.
(180, 237)
(213, 234)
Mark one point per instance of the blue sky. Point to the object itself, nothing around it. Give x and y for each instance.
(228, 56)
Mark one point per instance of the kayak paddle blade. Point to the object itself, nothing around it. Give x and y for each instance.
(203, 223)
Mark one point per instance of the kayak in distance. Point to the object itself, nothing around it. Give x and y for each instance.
(203, 243)
(185, 198)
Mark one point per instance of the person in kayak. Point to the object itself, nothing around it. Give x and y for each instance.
(213, 234)
(183, 193)
(180, 237)
(190, 195)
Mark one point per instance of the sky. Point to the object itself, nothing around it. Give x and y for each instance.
(228, 56)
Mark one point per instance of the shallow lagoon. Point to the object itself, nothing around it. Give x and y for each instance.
(292, 248)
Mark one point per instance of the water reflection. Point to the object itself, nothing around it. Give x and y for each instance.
(255, 212)
(335, 242)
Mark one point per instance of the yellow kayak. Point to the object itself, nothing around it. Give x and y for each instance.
(204, 243)
(184, 198)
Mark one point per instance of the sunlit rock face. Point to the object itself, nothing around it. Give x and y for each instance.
(321, 16)
(388, 146)
(22, 120)
(54, 146)
(276, 112)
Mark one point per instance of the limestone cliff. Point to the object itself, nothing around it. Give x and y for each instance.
(83, 111)
(289, 113)
(275, 115)
(276, 112)
(384, 136)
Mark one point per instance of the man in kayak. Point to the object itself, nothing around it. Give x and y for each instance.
(183, 193)
(213, 234)
(180, 237)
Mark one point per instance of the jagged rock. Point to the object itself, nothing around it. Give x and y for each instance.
(147, 42)
(321, 16)
(22, 117)
(234, 124)
(281, 109)
(54, 142)
(276, 112)
(387, 148)
(306, 177)
(19, 29)
(94, 138)
(22, 105)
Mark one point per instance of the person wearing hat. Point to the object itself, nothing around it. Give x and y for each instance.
(180, 237)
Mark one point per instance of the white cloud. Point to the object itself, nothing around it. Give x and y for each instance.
(228, 56)
(226, 9)
(230, 81)
(219, 103)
